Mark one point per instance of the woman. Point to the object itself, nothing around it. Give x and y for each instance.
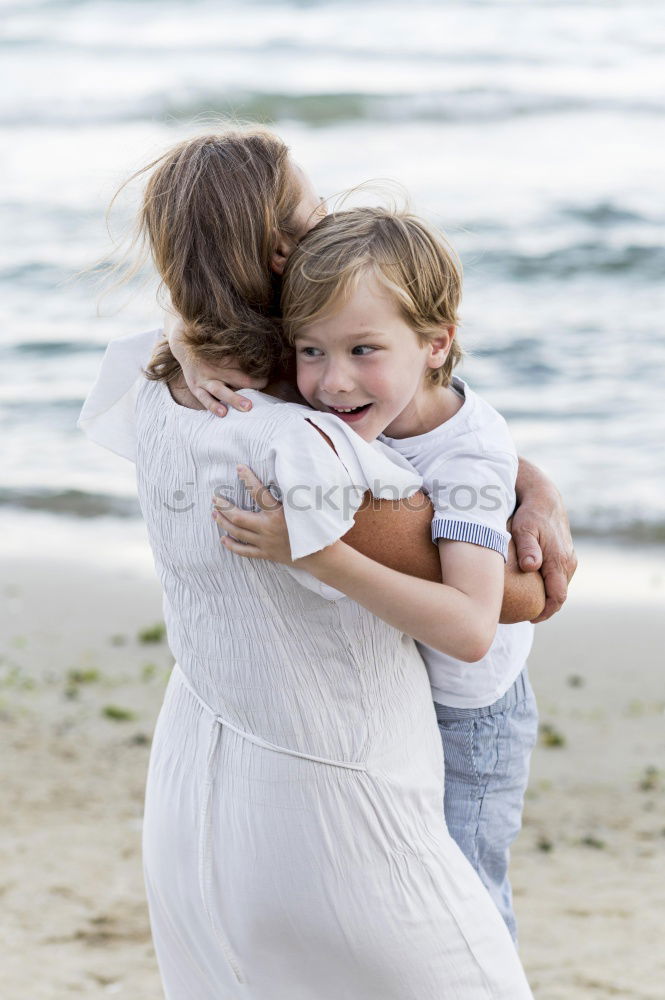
(294, 843)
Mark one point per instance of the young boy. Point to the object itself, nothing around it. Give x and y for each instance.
(370, 304)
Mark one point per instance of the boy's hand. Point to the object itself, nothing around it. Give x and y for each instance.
(213, 385)
(542, 536)
(256, 535)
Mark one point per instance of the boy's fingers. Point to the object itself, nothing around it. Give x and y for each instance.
(221, 396)
(239, 534)
(246, 519)
(240, 549)
(259, 492)
(252, 483)
(209, 401)
(222, 502)
(218, 397)
(226, 395)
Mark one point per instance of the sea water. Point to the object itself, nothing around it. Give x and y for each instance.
(532, 132)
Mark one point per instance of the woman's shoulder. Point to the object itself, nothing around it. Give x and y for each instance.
(108, 414)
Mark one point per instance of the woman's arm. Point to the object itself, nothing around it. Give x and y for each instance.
(458, 616)
(523, 593)
(542, 535)
(397, 534)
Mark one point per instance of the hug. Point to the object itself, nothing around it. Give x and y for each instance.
(339, 765)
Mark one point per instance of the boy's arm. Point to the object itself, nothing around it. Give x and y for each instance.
(458, 616)
(212, 385)
(396, 534)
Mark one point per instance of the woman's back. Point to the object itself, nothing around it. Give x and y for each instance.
(269, 654)
(293, 839)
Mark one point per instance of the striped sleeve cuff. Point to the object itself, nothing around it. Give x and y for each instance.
(470, 531)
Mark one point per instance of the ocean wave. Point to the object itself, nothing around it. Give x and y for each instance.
(37, 275)
(61, 409)
(45, 42)
(81, 504)
(603, 258)
(56, 348)
(318, 109)
(592, 257)
(606, 214)
(72, 502)
(638, 531)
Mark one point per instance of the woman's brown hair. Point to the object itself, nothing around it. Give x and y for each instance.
(212, 211)
(410, 259)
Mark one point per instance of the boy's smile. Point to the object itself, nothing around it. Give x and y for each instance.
(365, 364)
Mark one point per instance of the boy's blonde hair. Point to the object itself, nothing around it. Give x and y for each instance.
(413, 262)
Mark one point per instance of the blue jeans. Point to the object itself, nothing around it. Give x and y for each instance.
(487, 753)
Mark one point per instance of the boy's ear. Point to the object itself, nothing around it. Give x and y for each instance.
(439, 347)
(280, 254)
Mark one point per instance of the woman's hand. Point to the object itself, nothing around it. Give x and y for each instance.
(213, 385)
(523, 593)
(254, 534)
(542, 536)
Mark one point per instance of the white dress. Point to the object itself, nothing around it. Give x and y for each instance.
(294, 840)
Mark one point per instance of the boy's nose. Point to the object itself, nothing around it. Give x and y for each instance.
(336, 378)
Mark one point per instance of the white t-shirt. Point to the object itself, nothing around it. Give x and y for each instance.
(469, 466)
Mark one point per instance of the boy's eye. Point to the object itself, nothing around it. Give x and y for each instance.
(362, 349)
(310, 352)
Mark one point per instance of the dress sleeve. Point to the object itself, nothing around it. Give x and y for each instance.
(321, 487)
(107, 417)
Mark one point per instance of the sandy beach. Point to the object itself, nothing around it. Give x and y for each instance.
(82, 671)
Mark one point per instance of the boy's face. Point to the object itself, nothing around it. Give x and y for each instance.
(366, 365)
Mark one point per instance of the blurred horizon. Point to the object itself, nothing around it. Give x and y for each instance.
(528, 131)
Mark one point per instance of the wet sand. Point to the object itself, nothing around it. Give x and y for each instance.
(79, 694)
